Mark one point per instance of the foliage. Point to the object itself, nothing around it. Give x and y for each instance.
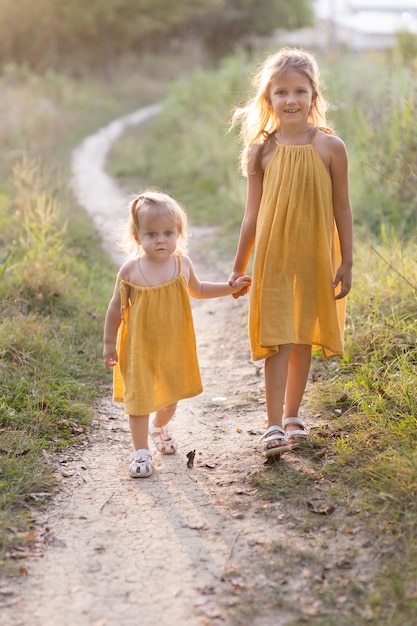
(378, 127)
(407, 46)
(80, 37)
(230, 22)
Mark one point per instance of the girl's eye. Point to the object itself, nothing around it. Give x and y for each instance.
(168, 233)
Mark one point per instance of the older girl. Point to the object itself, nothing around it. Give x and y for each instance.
(299, 220)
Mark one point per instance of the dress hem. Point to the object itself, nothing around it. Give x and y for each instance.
(158, 407)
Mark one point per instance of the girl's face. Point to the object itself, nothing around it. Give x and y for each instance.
(291, 96)
(158, 237)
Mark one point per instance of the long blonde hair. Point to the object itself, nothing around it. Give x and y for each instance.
(256, 118)
(152, 203)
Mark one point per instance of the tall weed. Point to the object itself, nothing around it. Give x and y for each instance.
(373, 108)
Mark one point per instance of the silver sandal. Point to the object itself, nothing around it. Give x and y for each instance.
(141, 463)
(297, 435)
(275, 433)
(163, 439)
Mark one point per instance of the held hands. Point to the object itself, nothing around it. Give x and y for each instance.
(240, 283)
(344, 278)
(110, 357)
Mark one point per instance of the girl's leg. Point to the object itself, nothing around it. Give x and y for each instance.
(298, 369)
(141, 458)
(163, 416)
(162, 438)
(276, 374)
(139, 430)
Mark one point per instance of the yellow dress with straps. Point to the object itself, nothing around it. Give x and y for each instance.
(156, 345)
(297, 253)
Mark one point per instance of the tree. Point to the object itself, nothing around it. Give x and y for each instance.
(234, 22)
(74, 35)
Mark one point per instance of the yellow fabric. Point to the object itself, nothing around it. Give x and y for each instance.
(157, 348)
(297, 253)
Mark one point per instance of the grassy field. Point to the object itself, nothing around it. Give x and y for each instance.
(55, 281)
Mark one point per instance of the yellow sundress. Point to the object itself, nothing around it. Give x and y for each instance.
(297, 253)
(156, 345)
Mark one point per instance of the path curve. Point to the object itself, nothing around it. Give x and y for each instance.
(94, 189)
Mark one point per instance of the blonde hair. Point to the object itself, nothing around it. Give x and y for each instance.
(154, 203)
(256, 117)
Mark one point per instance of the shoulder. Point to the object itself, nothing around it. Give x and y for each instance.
(125, 271)
(328, 138)
(185, 261)
(259, 154)
(330, 147)
(187, 268)
(253, 156)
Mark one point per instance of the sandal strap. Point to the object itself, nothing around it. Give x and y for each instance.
(295, 421)
(274, 432)
(141, 455)
(297, 433)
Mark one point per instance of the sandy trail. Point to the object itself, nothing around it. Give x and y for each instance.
(183, 547)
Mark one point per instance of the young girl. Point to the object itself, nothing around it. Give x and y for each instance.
(156, 359)
(299, 219)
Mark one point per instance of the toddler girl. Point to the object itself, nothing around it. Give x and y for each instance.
(155, 358)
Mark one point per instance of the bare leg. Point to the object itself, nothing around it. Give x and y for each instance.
(162, 438)
(141, 458)
(276, 373)
(163, 416)
(139, 430)
(298, 369)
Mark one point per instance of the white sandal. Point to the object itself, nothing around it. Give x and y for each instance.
(163, 440)
(297, 435)
(141, 463)
(275, 433)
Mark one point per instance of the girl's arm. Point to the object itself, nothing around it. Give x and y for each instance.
(111, 326)
(343, 215)
(203, 289)
(248, 226)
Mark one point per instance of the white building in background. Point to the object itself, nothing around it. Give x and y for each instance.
(366, 24)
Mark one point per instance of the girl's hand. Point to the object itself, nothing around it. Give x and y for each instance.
(110, 357)
(240, 283)
(344, 278)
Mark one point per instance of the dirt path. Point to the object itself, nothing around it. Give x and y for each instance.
(184, 547)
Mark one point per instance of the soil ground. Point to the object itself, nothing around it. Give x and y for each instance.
(188, 546)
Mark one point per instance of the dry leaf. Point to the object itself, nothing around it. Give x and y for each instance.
(190, 457)
(321, 508)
